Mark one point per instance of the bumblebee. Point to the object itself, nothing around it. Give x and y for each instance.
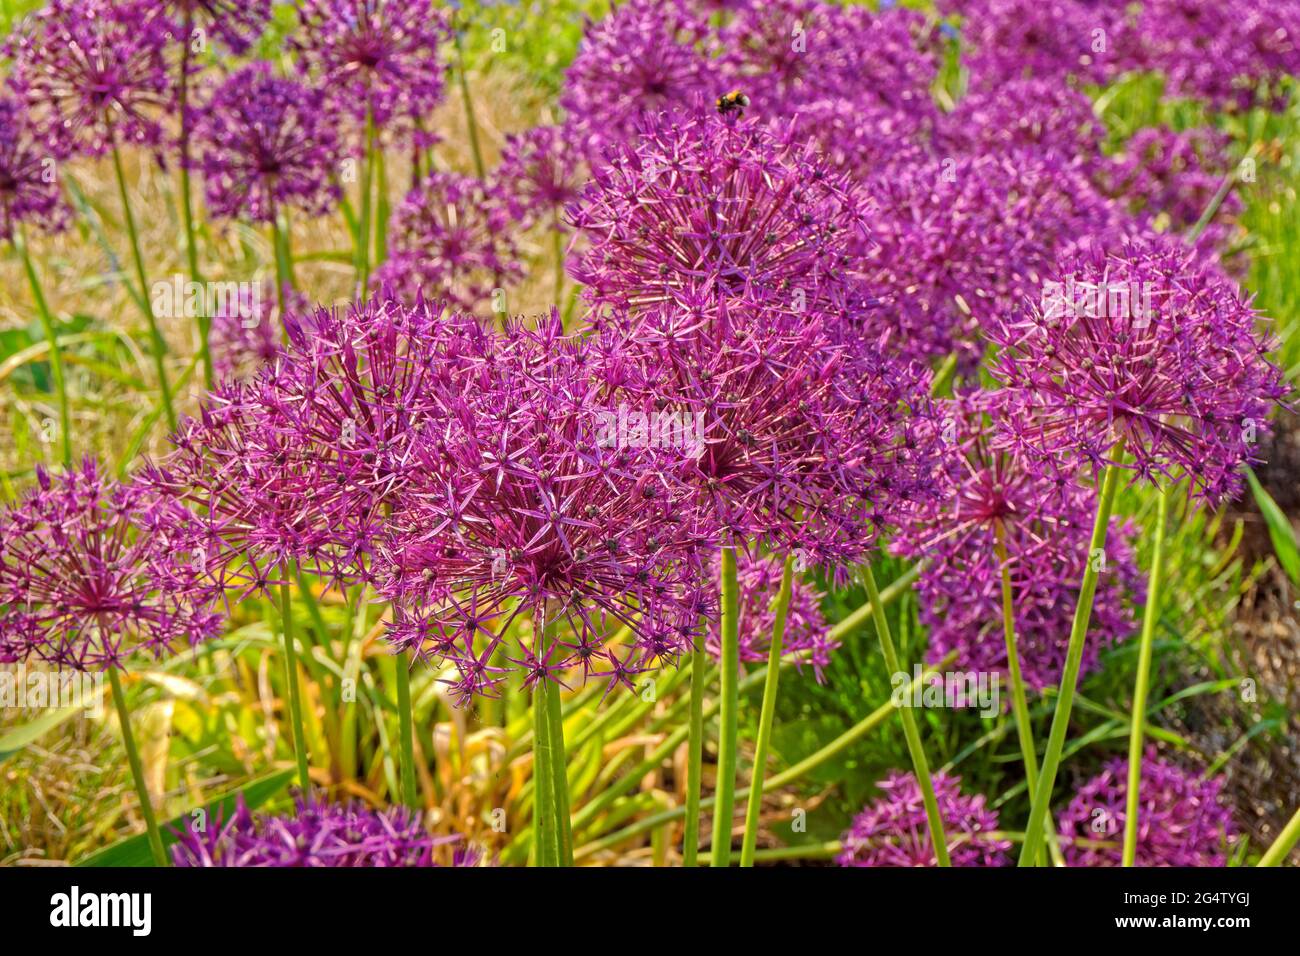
(733, 103)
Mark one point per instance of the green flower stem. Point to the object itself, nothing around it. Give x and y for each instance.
(137, 770)
(789, 775)
(187, 192)
(910, 730)
(557, 237)
(471, 123)
(1284, 844)
(364, 226)
(1150, 615)
(725, 806)
(56, 358)
(766, 714)
(552, 828)
(155, 337)
(291, 678)
(695, 752)
(863, 614)
(406, 734)
(1073, 658)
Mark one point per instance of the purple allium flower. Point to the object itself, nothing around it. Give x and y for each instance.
(304, 462)
(542, 171)
(806, 633)
(1222, 51)
(892, 831)
(957, 243)
(265, 143)
(86, 582)
(788, 53)
(94, 73)
(642, 59)
(247, 330)
(524, 502)
(1152, 344)
(858, 139)
(1025, 113)
(377, 58)
(237, 23)
(449, 240)
(29, 187)
(1046, 519)
(1182, 820)
(1170, 178)
(808, 441)
(316, 833)
(1048, 39)
(720, 210)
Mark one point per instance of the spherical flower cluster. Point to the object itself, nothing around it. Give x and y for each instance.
(29, 188)
(1054, 40)
(893, 830)
(1170, 178)
(87, 580)
(709, 208)
(1181, 821)
(94, 74)
(266, 143)
(237, 23)
(1044, 518)
(541, 173)
(378, 60)
(957, 243)
(315, 834)
(526, 499)
(1024, 114)
(788, 53)
(1151, 345)
(449, 240)
(859, 140)
(806, 639)
(644, 58)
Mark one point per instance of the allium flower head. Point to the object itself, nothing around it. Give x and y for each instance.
(1151, 344)
(94, 73)
(237, 23)
(959, 243)
(314, 834)
(450, 240)
(807, 637)
(642, 59)
(1045, 519)
(707, 208)
(1182, 820)
(266, 143)
(377, 58)
(542, 171)
(808, 441)
(86, 582)
(893, 831)
(789, 53)
(247, 330)
(29, 189)
(523, 503)
(1047, 39)
(1025, 113)
(857, 138)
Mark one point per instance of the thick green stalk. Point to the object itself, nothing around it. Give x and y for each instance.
(910, 731)
(552, 828)
(1150, 615)
(187, 196)
(1284, 844)
(725, 789)
(1019, 703)
(56, 358)
(155, 337)
(406, 733)
(694, 753)
(766, 714)
(471, 124)
(291, 678)
(364, 220)
(1073, 658)
(137, 770)
(546, 844)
